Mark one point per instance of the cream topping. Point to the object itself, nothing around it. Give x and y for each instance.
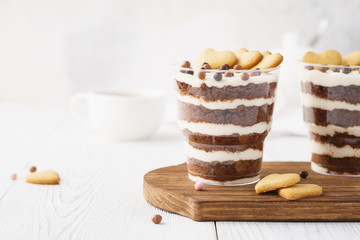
(330, 78)
(234, 81)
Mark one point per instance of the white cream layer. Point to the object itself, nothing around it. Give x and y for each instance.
(223, 129)
(330, 78)
(326, 104)
(221, 156)
(332, 129)
(234, 81)
(333, 151)
(241, 181)
(229, 104)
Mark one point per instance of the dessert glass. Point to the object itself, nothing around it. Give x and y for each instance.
(330, 98)
(225, 122)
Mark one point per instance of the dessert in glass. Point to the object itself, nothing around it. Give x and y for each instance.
(330, 94)
(225, 114)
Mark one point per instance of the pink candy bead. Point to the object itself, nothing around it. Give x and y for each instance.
(13, 176)
(199, 186)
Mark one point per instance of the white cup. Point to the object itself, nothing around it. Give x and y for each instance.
(121, 115)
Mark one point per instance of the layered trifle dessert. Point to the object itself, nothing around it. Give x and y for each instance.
(330, 86)
(225, 107)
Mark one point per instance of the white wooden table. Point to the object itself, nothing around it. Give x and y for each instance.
(100, 194)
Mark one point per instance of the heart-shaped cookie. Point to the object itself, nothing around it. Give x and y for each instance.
(247, 59)
(352, 59)
(216, 59)
(271, 60)
(329, 57)
(44, 177)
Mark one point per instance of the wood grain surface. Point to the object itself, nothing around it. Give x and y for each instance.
(169, 189)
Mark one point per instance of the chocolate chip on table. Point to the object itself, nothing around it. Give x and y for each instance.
(225, 67)
(206, 66)
(304, 174)
(201, 75)
(237, 67)
(309, 68)
(229, 74)
(322, 69)
(346, 69)
(244, 76)
(218, 76)
(32, 169)
(156, 219)
(336, 70)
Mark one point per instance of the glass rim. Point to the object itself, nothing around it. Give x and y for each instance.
(327, 65)
(266, 70)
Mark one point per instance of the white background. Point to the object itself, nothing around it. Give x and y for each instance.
(51, 49)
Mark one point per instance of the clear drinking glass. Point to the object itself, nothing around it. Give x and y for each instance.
(330, 97)
(225, 119)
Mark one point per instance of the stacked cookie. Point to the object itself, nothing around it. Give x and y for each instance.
(225, 108)
(287, 186)
(330, 86)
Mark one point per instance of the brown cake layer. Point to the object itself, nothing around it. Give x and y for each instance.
(227, 148)
(339, 165)
(240, 116)
(338, 117)
(349, 94)
(234, 139)
(224, 171)
(250, 91)
(338, 139)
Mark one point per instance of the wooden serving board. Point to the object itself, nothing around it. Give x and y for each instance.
(170, 189)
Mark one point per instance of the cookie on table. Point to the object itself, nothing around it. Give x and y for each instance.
(329, 57)
(44, 177)
(247, 59)
(299, 191)
(216, 59)
(275, 181)
(352, 59)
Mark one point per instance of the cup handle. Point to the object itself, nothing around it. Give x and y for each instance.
(78, 102)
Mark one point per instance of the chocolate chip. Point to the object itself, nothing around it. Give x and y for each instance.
(254, 74)
(237, 67)
(346, 69)
(225, 67)
(304, 174)
(201, 75)
(156, 219)
(229, 74)
(244, 76)
(218, 76)
(191, 72)
(206, 66)
(322, 69)
(309, 68)
(336, 70)
(32, 169)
